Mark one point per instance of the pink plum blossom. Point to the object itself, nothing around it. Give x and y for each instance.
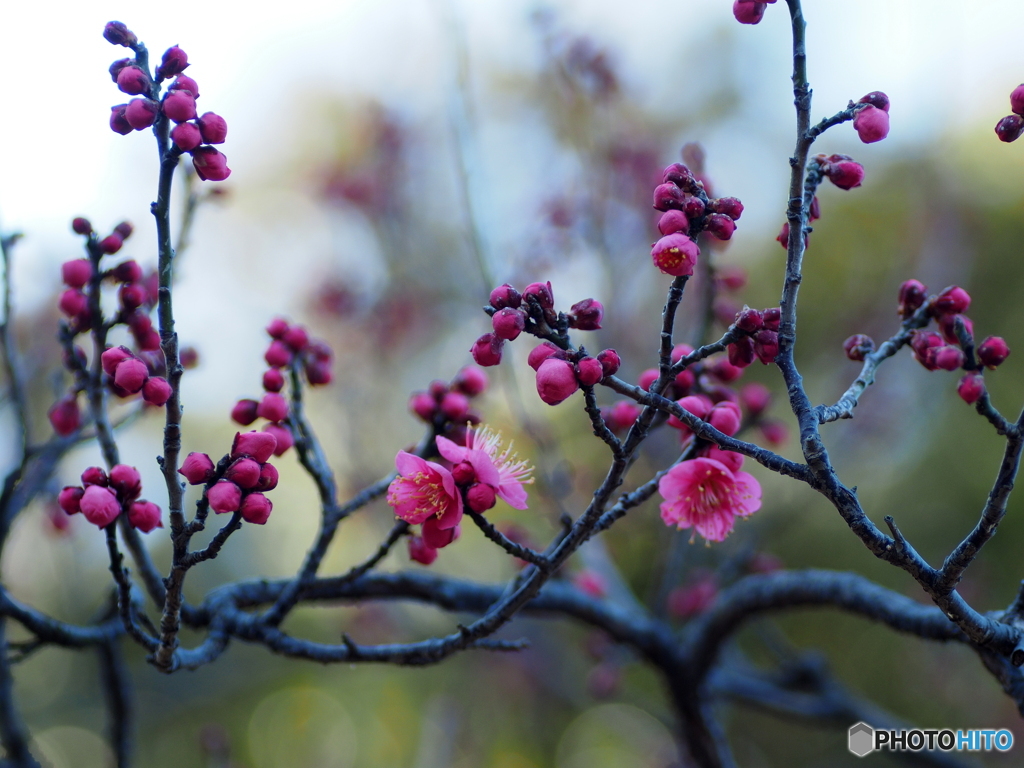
(494, 466)
(423, 490)
(707, 496)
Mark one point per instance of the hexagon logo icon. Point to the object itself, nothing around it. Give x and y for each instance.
(862, 739)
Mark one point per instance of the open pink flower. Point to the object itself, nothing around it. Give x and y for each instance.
(499, 468)
(707, 496)
(422, 490)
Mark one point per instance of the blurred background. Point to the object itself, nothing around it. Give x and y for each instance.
(391, 162)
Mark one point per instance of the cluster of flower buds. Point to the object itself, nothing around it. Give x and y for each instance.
(238, 482)
(192, 133)
(762, 336)
(102, 497)
(687, 210)
(130, 375)
(447, 406)
(750, 11)
(561, 372)
(951, 347)
(1012, 126)
(872, 121)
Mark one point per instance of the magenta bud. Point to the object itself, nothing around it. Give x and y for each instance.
(954, 300)
(69, 499)
(273, 407)
(610, 362)
(675, 255)
(1017, 100)
(132, 296)
(99, 505)
(586, 315)
(732, 278)
(556, 381)
(668, 196)
(480, 497)
(772, 318)
(118, 122)
(945, 357)
(115, 68)
(436, 537)
(423, 405)
(911, 297)
(876, 99)
(224, 496)
(296, 337)
(185, 83)
(149, 341)
(673, 221)
(846, 174)
(144, 515)
(76, 273)
(112, 357)
(245, 412)
(719, 225)
(64, 415)
(725, 417)
(647, 378)
(971, 388)
(245, 473)
(127, 272)
(470, 381)
(273, 380)
(542, 293)
(282, 435)
(993, 351)
(542, 352)
(213, 127)
(173, 62)
(727, 206)
(621, 416)
(420, 551)
(210, 164)
(589, 371)
(156, 390)
(693, 207)
(186, 136)
(197, 468)
(748, 12)
(131, 374)
(486, 350)
(455, 406)
(179, 106)
(318, 372)
(73, 303)
(921, 343)
(463, 473)
(81, 226)
(116, 33)
(132, 80)
(749, 320)
(741, 352)
(505, 296)
(268, 478)
(858, 346)
(94, 476)
(508, 323)
(125, 480)
(766, 346)
(698, 405)
(726, 371)
(815, 211)
(947, 326)
(278, 354)
(871, 124)
(775, 432)
(111, 243)
(756, 398)
(141, 113)
(256, 509)
(677, 174)
(1008, 129)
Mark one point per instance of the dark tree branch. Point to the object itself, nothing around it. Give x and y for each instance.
(13, 735)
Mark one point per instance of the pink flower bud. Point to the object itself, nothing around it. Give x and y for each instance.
(141, 113)
(858, 346)
(508, 323)
(144, 515)
(749, 320)
(993, 351)
(677, 174)
(766, 346)
(725, 417)
(273, 407)
(727, 206)
(268, 478)
(278, 354)
(486, 350)
(953, 300)
(99, 505)
(455, 407)
(748, 12)
(197, 468)
(586, 315)
(76, 273)
(131, 374)
(772, 318)
(775, 433)
(258, 445)
(126, 481)
(186, 136)
(621, 416)
(256, 509)
(480, 497)
(871, 124)
(755, 398)
(81, 226)
(876, 99)
(815, 212)
(214, 128)
(94, 476)
(118, 122)
(156, 390)
(64, 415)
(647, 379)
(911, 297)
(179, 106)
(463, 473)
(698, 405)
(947, 325)
(610, 361)
(116, 33)
(1017, 100)
(741, 352)
(423, 405)
(133, 81)
(132, 296)
(296, 337)
(420, 551)
(847, 174)
(470, 381)
(543, 294)
(921, 342)
(556, 381)
(210, 164)
(185, 83)
(70, 498)
(683, 383)
(283, 435)
(244, 473)
(505, 296)
(667, 197)
(111, 243)
(224, 496)
(127, 272)
(725, 371)
(1008, 129)
(719, 225)
(971, 388)
(173, 62)
(945, 357)
(693, 207)
(673, 221)
(675, 255)
(542, 352)
(318, 372)
(589, 371)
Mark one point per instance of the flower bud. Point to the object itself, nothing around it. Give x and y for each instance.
(556, 381)
(94, 476)
(99, 505)
(945, 357)
(224, 496)
(258, 445)
(667, 197)
(296, 337)
(772, 318)
(278, 354)
(647, 379)
(435, 536)
(677, 174)
(693, 207)
(486, 350)
(766, 346)
(1017, 100)
(775, 432)
(748, 12)
(318, 372)
(272, 407)
(186, 136)
(621, 416)
(871, 124)
(698, 405)
(725, 370)
(749, 320)
(876, 99)
(505, 296)
(144, 515)
(542, 352)
(81, 226)
(586, 315)
(911, 297)
(185, 83)
(420, 551)
(156, 390)
(719, 225)
(589, 371)
(282, 435)
(455, 407)
(141, 113)
(70, 499)
(118, 122)
(244, 473)
(76, 273)
(127, 272)
(133, 81)
(64, 416)
(210, 164)
(1008, 129)
(197, 468)
(508, 323)
(132, 296)
(423, 405)
(213, 127)
(727, 206)
(947, 326)
(125, 480)
(847, 174)
(268, 478)
(470, 381)
(543, 294)
(610, 361)
(111, 244)
(815, 210)
(463, 473)
(858, 346)
(675, 255)
(953, 300)
(993, 351)
(173, 62)
(480, 497)
(732, 278)
(755, 398)
(725, 417)
(921, 342)
(971, 388)
(741, 352)
(116, 33)
(131, 374)
(256, 509)
(179, 106)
